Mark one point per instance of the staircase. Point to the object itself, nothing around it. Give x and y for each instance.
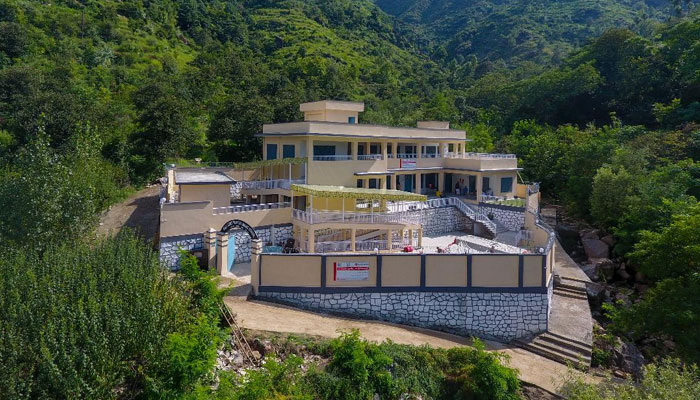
(474, 213)
(558, 348)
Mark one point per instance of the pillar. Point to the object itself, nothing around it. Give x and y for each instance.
(309, 148)
(441, 182)
(395, 149)
(312, 240)
(353, 235)
(410, 237)
(385, 151)
(256, 247)
(354, 150)
(222, 253)
(464, 150)
(210, 243)
(417, 188)
(420, 237)
(419, 151)
(479, 187)
(388, 239)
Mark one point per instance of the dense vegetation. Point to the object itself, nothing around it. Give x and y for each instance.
(96, 95)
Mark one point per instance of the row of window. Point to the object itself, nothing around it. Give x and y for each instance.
(287, 151)
(506, 184)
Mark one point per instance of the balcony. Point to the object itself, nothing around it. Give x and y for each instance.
(322, 217)
(271, 184)
(250, 207)
(333, 158)
(370, 157)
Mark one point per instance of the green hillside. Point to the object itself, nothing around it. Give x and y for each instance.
(515, 31)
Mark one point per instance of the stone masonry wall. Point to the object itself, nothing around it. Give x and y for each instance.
(511, 217)
(169, 248)
(500, 316)
(442, 220)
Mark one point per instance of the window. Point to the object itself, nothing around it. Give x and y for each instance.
(324, 150)
(507, 185)
(288, 151)
(360, 183)
(271, 151)
(374, 149)
(351, 120)
(373, 184)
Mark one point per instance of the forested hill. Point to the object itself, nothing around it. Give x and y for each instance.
(509, 32)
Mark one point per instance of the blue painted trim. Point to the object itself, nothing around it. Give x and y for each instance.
(323, 271)
(544, 270)
(379, 271)
(508, 208)
(168, 239)
(373, 289)
(521, 271)
(422, 271)
(469, 270)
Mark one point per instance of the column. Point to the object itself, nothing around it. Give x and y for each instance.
(420, 237)
(388, 239)
(353, 233)
(410, 237)
(441, 182)
(419, 151)
(479, 187)
(395, 149)
(312, 240)
(402, 235)
(222, 253)
(464, 149)
(385, 151)
(309, 148)
(354, 150)
(210, 243)
(255, 254)
(417, 188)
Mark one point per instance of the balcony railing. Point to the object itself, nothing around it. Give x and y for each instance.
(333, 158)
(364, 245)
(407, 155)
(250, 207)
(370, 157)
(479, 156)
(271, 184)
(321, 217)
(503, 201)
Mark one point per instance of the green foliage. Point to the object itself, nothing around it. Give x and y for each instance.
(477, 374)
(668, 379)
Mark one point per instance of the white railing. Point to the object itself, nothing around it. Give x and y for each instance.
(271, 184)
(332, 158)
(370, 157)
(250, 207)
(340, 246)
(320, 217)
(430, 155)
(503, 200)
(479, 156)
(407, 155)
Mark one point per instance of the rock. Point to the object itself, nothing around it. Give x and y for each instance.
(595, 248)
(591, 271)
(590, 234)
(628, 357)
(604, 267)
(623, 275)
(619, 374)
(669, 345)
(256, 355)
(238, 360)
(595, 290)
(623, 298)
(609, 240)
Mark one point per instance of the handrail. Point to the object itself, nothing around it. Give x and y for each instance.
(370, 157)
(271, 184)
(250, 207)
(333, 158)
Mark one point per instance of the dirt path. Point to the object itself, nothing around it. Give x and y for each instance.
(271, 317)
(139, 212)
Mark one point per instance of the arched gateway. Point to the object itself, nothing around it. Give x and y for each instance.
(237, 223)
(231, 242)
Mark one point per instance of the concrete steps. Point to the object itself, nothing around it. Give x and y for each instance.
(558, 348)
(571, 288)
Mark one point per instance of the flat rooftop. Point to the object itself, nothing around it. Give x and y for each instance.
(201, 177)
(365, 131)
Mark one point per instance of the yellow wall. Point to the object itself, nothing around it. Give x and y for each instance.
(445, 271)
(400, 271)
(294, 270)
(532, 271)
(192, 218)
(372, 281)
(494, 271)
(220, 195)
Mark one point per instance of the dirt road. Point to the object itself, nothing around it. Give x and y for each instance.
(139, 212)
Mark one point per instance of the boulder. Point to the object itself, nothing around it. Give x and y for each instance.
(622, 274)
(608, 239)
(591, 271)
(590, 234)
(595, 248)
(628, 357)
(604, 267)
(595, 291)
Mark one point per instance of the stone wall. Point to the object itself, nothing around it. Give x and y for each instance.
(442, 220)
(169, 248)
(511, 217)
(169, 245)
(265, 233)
(500, 316)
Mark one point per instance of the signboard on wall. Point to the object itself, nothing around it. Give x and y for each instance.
(351, 271)
(407, 163)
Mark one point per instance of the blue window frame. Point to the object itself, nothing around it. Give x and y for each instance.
(288, 151)
(351, 120)
(324, 150)
(271, 151)
(506, 185)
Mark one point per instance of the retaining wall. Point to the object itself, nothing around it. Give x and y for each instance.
(511, 217)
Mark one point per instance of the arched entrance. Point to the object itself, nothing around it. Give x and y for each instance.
(236, 224)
